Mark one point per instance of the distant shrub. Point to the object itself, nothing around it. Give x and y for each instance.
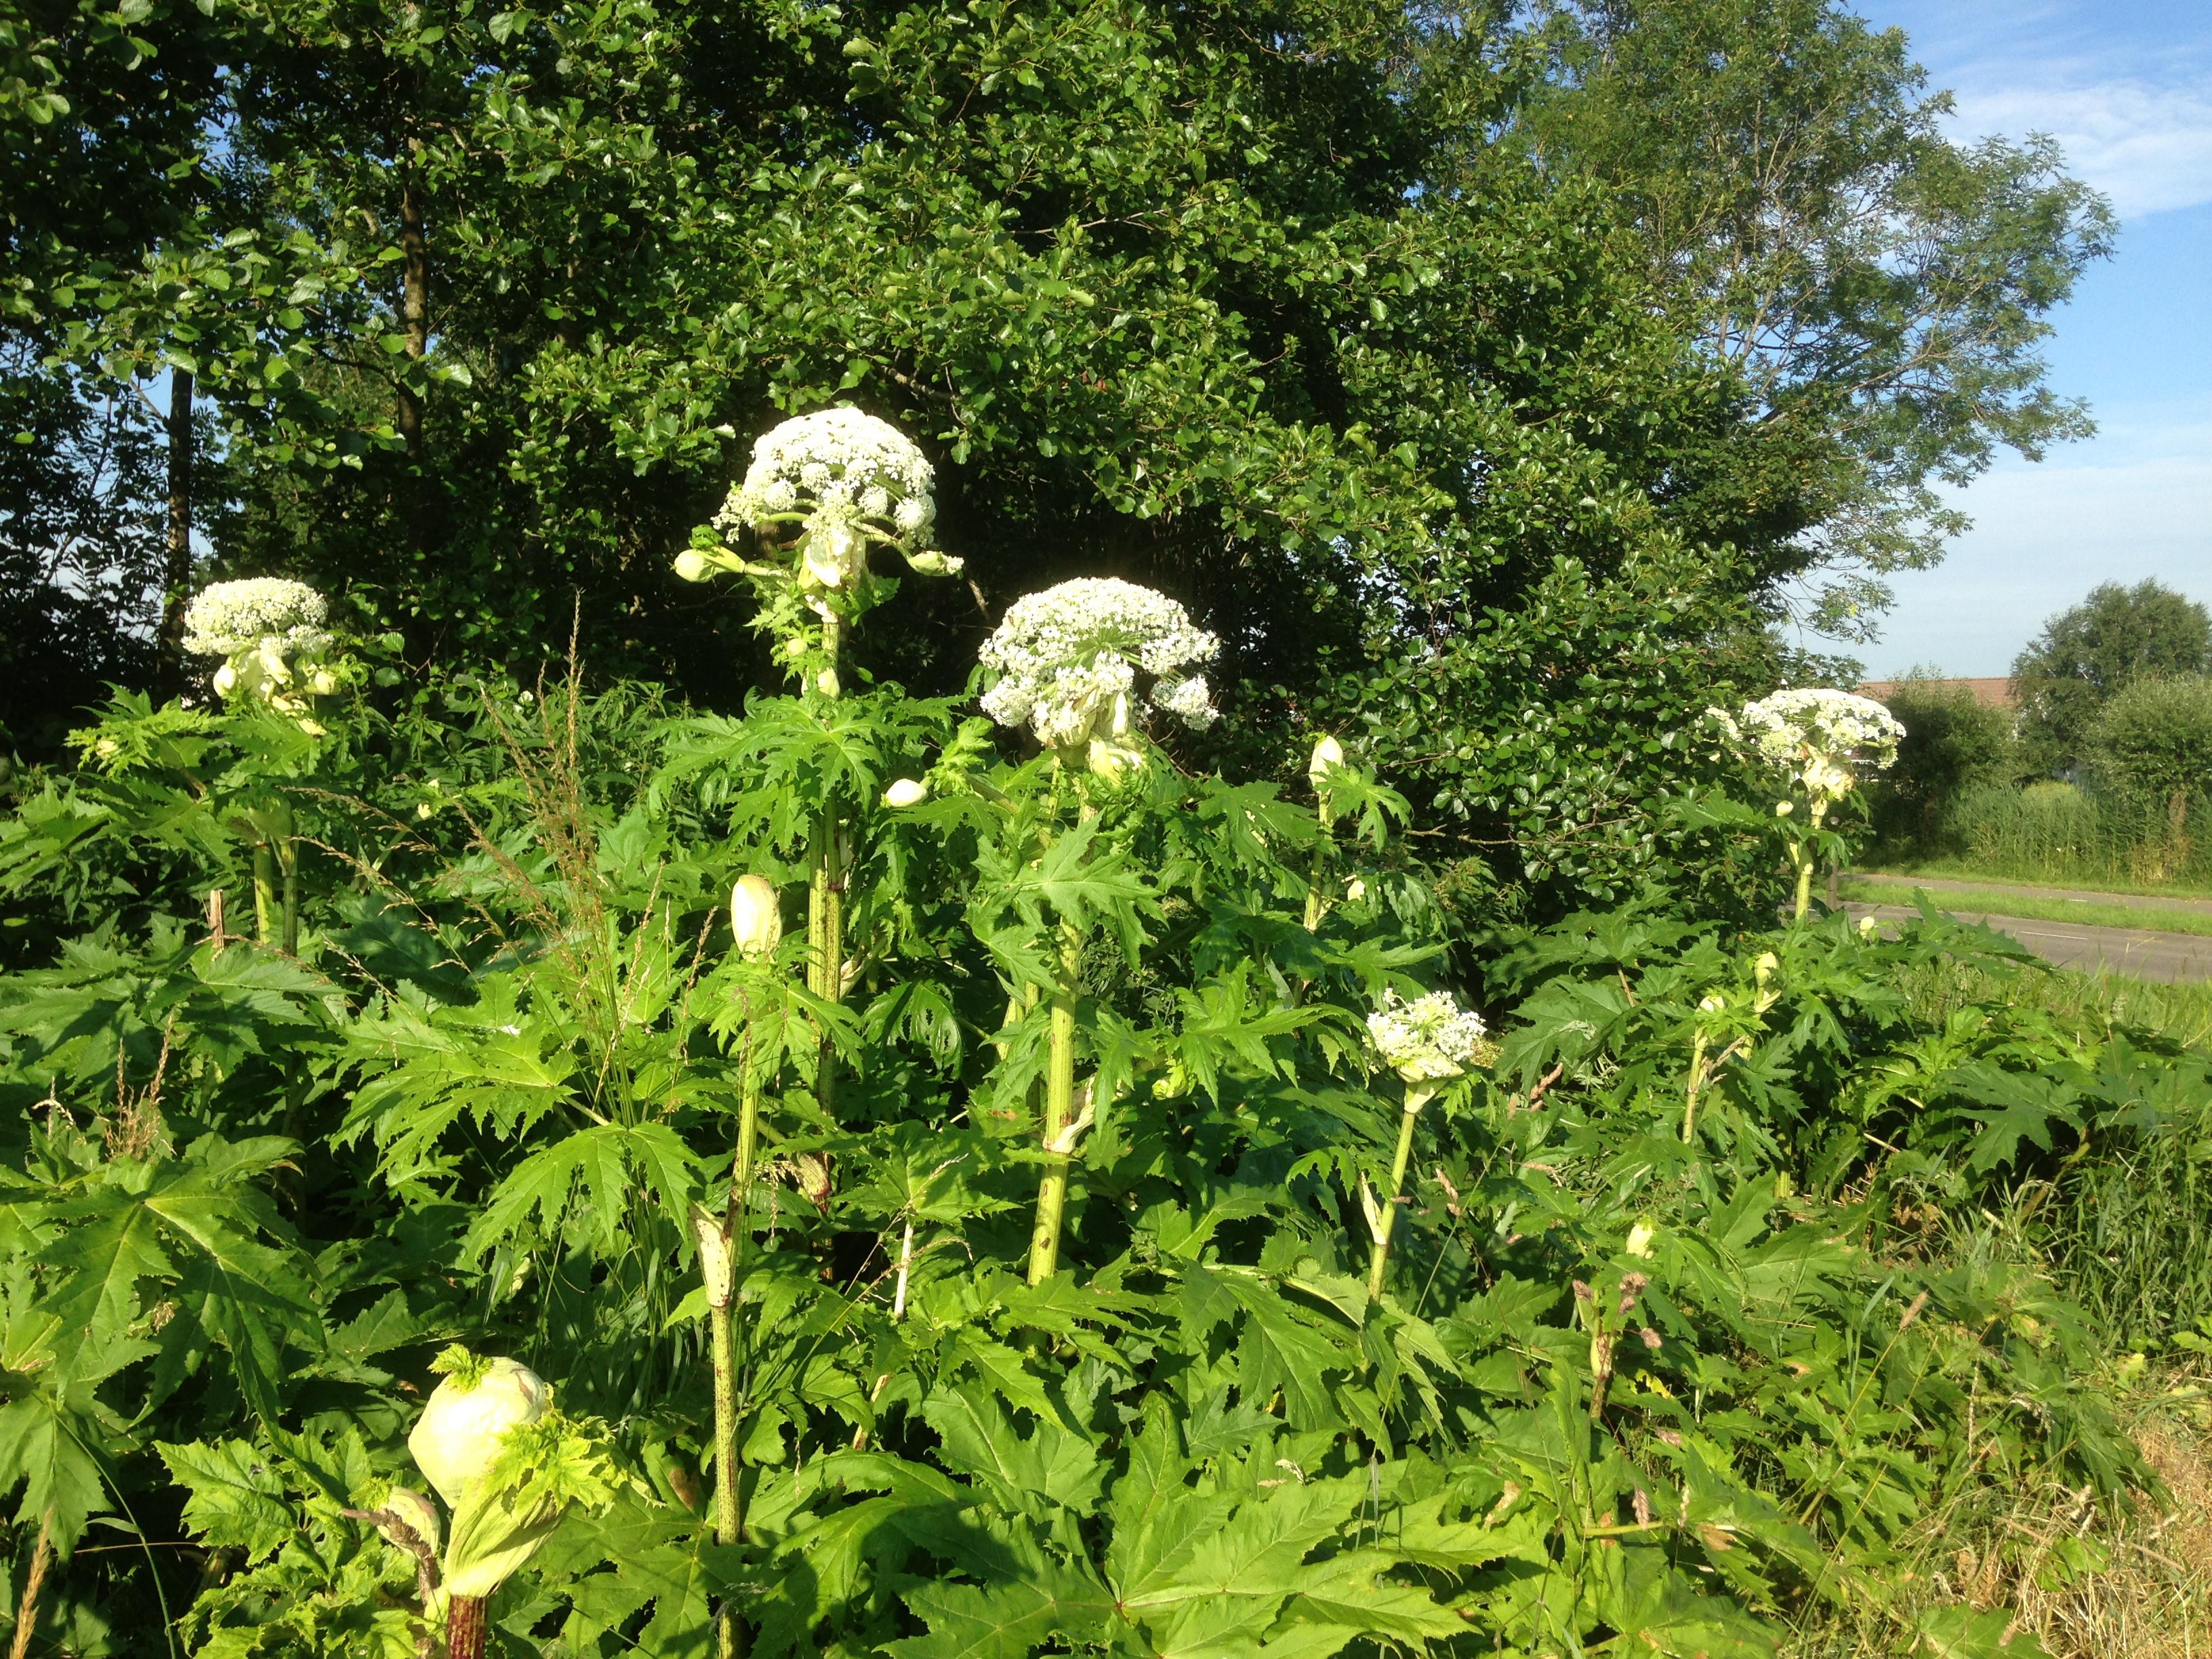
(1951, 742)
(2154, 738)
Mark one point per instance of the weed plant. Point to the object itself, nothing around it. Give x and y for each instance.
(975, 1192)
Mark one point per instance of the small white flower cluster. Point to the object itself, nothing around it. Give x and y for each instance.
(1067, 660)
(269, 630)
(1821, 736)
(1429, 1040)
(837, 464)
(228, 619)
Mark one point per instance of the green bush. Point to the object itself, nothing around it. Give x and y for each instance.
(2154, 738)
(2063, 833)
(1951, 742)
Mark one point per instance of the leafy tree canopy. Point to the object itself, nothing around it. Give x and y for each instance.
(1880, 287)
(2089, 651)
(1248, 304)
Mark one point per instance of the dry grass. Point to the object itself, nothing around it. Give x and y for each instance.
(2088, 1581)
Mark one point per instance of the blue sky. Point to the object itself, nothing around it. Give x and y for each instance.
(2127, 88)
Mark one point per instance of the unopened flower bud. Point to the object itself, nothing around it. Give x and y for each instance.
(1355, 889)
(755, 916)
(1640, 1239)
(1327, 752)
(415, 1512)
(459, 1433)
(1783, 809)
(1110, 760)
(906, 792)
(691, 565)
(226, 680)
(323, 683)
(930, 562)
(826, 682)
(1711, 1003)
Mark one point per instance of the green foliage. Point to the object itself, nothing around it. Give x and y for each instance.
(2154, 736)
(1953, 742)
(1880, 287)
(1620, 1385)
(1375, 348)
(2090, 651)
(2071, 836)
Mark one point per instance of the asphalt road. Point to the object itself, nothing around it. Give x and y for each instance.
(2139, 953)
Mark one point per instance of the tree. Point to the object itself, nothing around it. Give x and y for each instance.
(1952, 742)
(1242, 302)
(2154, 735)
(102, 110)
(1881, 288)
(2090, 651)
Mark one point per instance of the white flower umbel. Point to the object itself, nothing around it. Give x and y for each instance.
(1427, 1042)
(270, 632)
(1825, 740)
(1065, 663)
(227, 618)
(849, 476)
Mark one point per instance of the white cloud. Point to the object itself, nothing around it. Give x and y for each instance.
(2147, 146)
(2134, 502)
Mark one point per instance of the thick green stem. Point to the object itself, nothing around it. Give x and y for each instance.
(1059, 1104)
(825, 934)
(288, 865)
(1803, 852)
(719, 1271)
(1697, 1084)
(729, 1514)
(1383, 1225)
(266, 905)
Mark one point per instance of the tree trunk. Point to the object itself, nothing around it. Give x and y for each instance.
(176, 569)
(415, 300)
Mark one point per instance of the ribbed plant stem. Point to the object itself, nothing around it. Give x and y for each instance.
(729, 1520)
(266, 905)
(288, 866)
(1804, 856)
(1059, 1104)
(1414, 1101)
(825, 934)
(464, 1628)
(1697, 1084)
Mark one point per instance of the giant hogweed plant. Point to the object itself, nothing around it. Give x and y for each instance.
(976, 1188)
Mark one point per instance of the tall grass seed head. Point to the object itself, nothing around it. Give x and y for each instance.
(1430, 1039)
(1064, 661)
(458, 1434)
